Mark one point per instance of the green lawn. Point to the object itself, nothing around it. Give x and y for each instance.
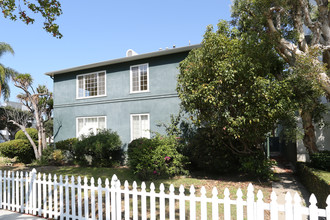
(325, 175)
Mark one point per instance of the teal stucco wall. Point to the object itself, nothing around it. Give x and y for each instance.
(160, 102)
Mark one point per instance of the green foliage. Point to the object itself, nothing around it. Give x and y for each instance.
(314, 183)
(207, 153)
(66, 144)
(19, 148)
(155, 158)
(5, 72)
(51, 156)
(321, 160)
(49, 10)
(229, 84)
(31, 131)
(101, 150)
(256, 165)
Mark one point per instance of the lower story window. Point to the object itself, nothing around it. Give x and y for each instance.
(140, 126)
(88, 125)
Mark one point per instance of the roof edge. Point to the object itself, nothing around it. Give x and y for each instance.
(125, 59)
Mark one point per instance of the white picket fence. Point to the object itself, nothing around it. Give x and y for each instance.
(70, 199)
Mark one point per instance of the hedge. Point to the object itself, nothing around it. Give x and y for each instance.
(314, 183)
(21, 149)
(31, 131)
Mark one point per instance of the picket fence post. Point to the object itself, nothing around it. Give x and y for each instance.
(171, 203)
(313, 213)
(226, 204)
(182, 203)
(273, 206)
(162, 201)
(250, 202)
(239, 206)
(152, 202)
(296, 207)
(143, 201)
(99, 198)
(192, 202)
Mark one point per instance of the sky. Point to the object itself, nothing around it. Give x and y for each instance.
(100, 30)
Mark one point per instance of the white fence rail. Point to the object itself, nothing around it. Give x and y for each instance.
(66, 198)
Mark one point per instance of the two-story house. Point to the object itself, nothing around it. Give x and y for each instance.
(130, 95)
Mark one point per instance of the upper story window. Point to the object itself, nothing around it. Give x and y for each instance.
(91, 85)
(139, 78)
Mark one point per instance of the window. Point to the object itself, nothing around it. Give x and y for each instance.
(139, 78)
(88, 125)
(140, 126)
(91, 85)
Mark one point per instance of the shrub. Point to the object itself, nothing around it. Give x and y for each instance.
(321, 160)
(66, 144)
(314, 183)
(51, 156)
(18, 148)
(31, 131)
(155, 158)
(257, 165)
(67, 147)
(102, 149)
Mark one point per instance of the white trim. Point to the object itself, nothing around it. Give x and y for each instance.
(131, 82)
(97, 82)
(131, 123)
(99, 116)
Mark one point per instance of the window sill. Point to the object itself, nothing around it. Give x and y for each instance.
(91, 97)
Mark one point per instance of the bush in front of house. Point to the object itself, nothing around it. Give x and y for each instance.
(52, 156)
(31, 131)
(101, 150)
(321, 160)
(19, 148)
(156, 158)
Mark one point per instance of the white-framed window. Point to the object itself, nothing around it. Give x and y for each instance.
(140, 126)
(88, 125)
(91, 85)
(139, 78)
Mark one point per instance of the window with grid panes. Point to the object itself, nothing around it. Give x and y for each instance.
(139, 78)
(91, 85)
(140, 126)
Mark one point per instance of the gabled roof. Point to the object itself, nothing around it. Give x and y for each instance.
(125, 59)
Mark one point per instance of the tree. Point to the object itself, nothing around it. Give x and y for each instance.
(9, 114)
(48, 9)
(298, 30)
(229, 85)
(40, 103)
(5, 72)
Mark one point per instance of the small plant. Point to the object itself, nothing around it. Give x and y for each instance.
(156, 158)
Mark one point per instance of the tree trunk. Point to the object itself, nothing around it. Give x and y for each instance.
(35, 149)
(309, 132)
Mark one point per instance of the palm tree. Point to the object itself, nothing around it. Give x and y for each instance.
(5, 72)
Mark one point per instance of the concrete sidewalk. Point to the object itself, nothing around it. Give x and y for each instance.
(9, 215)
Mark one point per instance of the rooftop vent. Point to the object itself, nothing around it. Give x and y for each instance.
(130, 53)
